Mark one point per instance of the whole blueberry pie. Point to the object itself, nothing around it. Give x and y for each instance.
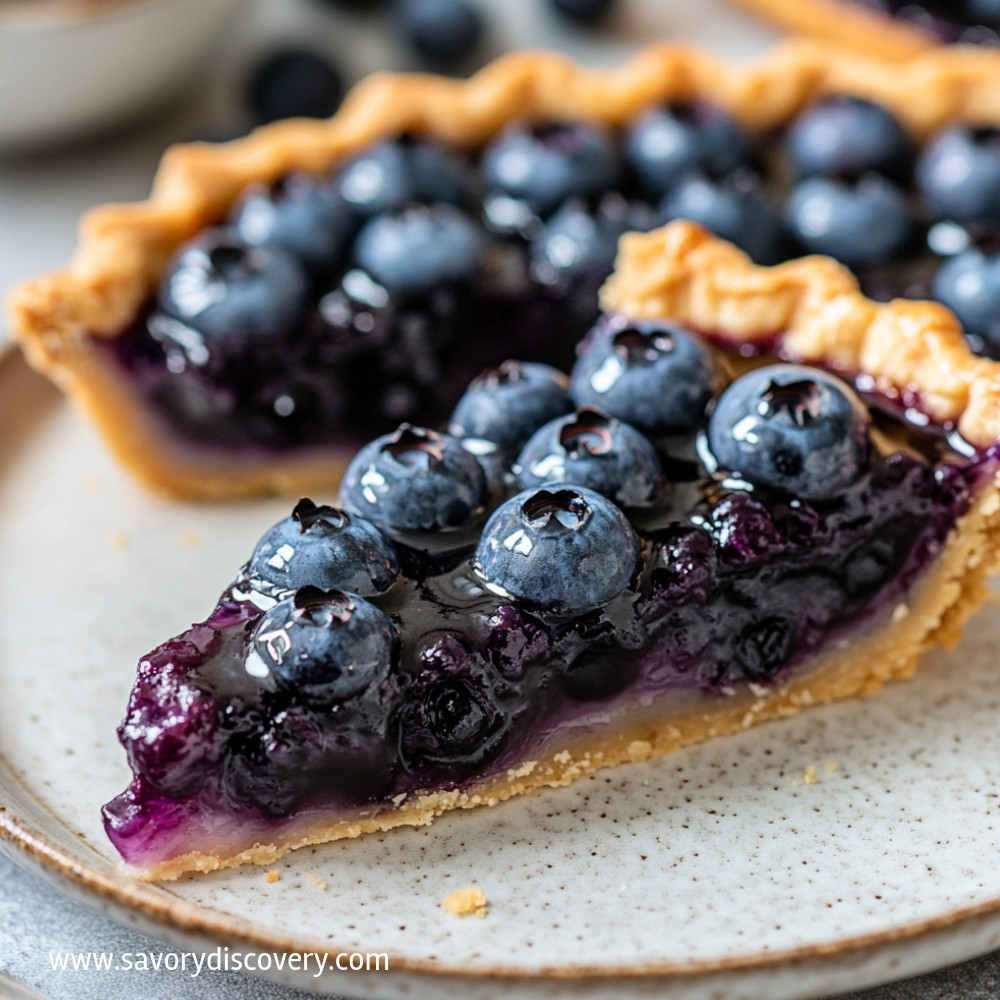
(753, 490)
(892, 28)
(284, 298)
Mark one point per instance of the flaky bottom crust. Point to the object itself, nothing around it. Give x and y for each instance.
(948, 593)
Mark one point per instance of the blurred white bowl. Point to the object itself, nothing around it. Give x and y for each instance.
(68, 67)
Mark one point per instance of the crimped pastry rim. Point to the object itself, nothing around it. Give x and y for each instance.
(122, 248)
(812, 310)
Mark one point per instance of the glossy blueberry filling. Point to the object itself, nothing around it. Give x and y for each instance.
(970, 22)
(659, 565)
(326, 310)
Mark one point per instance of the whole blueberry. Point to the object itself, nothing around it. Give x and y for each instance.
(388, 175)
(324, 547)
(591, 449)
(735, 209)
(293, 83)
(326, 646)
(579, 242)
(445, 33)
(306, 217)
(860, 223)
(563, 548)
(958, 175)
(545, 164)
(586, 12)
(505, 406)
(791, 428)
(420, 248)
(654, 376)
(227, 291)
(414, 480)
(666, 144)
(969, 285)
(848, 136)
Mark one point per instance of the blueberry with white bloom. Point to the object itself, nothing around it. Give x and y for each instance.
(325, 547)
(545, 164)
(504, 406)
(560, 548)
(327, 646)
(414, 480)
(654, 376)
(591, 449)
(420, 248)
(230, 292)
(791, 428)
(304, 216)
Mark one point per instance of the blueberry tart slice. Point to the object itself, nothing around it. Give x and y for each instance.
(755, 490)
(892, 28)
(281, 299)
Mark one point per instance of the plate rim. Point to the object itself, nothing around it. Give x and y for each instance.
(185, 916)
(23, 840)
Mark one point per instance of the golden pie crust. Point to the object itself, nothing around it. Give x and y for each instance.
(808, 309)
(123, 249)
(845, 23)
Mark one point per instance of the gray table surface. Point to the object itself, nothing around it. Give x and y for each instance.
(40, 198)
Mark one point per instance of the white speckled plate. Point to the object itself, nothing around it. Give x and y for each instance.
(718, 872)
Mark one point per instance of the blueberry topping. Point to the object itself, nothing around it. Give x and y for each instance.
(566, 549)
(504, 406)
(294, 83)
(229, 292)
(958, 175)
(299, 214)
(666, 144)
(847, 136)
(591, 449)
(654, 376)
(546, 164)
(391, 174)
(171, 730)
(324, 646)
(578, 244)
(969, 285)
(414, 480)
(791, 428)
(861, 223)
(735, 209)
(324, 547)
(585, 12)
(445, 33)
(420, 248)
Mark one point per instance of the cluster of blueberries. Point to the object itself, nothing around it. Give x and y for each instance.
(446, 35)
(375, 261)
(578, 456)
